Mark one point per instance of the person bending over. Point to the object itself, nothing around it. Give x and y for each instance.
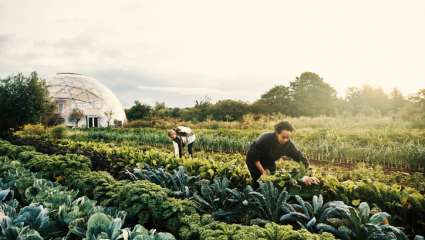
(270, 147)
(181, 137)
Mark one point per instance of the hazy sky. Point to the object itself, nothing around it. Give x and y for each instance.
(178, 51)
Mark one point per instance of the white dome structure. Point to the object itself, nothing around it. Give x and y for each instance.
(100, 107)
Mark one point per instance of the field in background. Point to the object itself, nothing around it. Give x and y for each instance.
(383, 141)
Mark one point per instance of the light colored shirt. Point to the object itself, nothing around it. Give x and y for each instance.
(187, 136)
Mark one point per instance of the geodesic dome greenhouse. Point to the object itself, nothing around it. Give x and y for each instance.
(97, 102)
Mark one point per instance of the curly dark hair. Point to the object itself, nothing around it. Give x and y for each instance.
(283, 125)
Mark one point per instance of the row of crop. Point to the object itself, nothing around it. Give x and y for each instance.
(406, 205)
(273, 205)
(116, 159)
(146, 203)
(217, 197)
(270, 204)
(357, 136)
(364, 172)
(36, 208)
(394, 149)
(415, 179)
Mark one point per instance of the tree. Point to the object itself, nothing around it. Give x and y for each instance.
(23, 100)
(108, 115)
(415, 109)
(419, 100)
(367, 100)
(202, 109)
(229, 110)
(311, 96)
(76, 115)
(277, 99)
(397, 100)
(138, 111)
(160, 110)
(174, 112)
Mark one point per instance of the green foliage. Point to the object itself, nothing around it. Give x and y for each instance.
(34, 216)
(343, 221)
(94, 185)
(368, 100)
(163, 211)
(214, 198)
(363, 226)
(140, 233)
(139, 199)
(307, 95)
(100, 225)
(272, 204)
(415, 110)
(229, 110)
(404, 204)
(53, 212)
(59, 165)
(179, 182)
(205, 227)
(76, 115)
(312, 96)
(277, 99)
(58, 132)
(54, 120)
(31, 130)
(23, 100)
(398, 148)
(138, 111)
(144, 201)
(269, 201)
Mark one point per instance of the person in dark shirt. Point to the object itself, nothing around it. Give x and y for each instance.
(270, 147)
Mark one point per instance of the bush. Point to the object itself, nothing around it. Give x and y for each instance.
(139, 124)
(32, 130)
(57, 165)
(54, 120)
(58, 132)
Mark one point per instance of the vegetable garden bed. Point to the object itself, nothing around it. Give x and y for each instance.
(145, 202)
(339, 190)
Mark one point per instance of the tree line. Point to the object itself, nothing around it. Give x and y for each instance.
(25, 99)
(307, 95)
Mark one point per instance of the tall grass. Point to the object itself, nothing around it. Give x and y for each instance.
(372, 140)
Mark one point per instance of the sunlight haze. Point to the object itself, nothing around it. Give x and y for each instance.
(179, 51)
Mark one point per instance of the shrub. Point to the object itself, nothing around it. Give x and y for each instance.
(58, 132)
(32, 130)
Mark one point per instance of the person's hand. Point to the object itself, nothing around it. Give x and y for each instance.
(310, 180)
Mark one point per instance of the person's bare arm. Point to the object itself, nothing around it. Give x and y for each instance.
(260, 167)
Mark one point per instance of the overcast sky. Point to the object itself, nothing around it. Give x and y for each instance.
(178, 51)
